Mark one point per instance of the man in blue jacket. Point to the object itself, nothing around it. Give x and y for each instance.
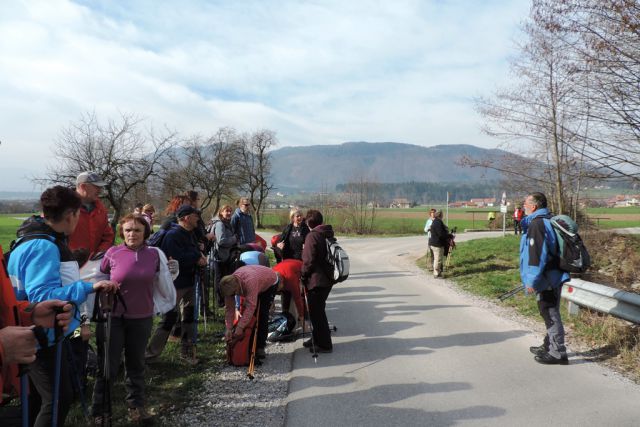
(242, 222)
(540, 274)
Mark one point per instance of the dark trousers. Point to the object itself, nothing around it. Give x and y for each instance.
(41, 374)
(132, 336)
(159, 339)
(517, 227)
(549, 308)
(265, 298)
(317, 299)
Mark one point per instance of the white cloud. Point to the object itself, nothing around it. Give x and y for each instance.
(315, 72)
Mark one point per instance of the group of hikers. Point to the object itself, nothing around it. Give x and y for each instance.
(64, 272)
(545, 255)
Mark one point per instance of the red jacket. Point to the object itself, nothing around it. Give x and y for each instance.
(93, 231)
(9, 380)
(290, 270)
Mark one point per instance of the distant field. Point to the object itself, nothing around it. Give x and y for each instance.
(8, 226)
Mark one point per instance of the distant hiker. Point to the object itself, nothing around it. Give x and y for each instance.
(317, 278)
(242, 222)
(437, 242)
(539, 273)
(180, 244)
(491, 219)
(148, 213)
(427, 229)
(518, 214)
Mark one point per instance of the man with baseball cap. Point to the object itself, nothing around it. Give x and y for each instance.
(93, 233)
(179, 243)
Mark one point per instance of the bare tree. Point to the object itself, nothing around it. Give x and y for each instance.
(361, 196)
(539, 113)
(256, 168)
(123, 155)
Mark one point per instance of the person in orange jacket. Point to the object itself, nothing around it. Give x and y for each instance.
(93, 233)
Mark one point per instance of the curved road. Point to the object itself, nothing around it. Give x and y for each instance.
(410, 351)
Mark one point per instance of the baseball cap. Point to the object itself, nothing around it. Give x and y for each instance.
(90, 178)
(185, 210)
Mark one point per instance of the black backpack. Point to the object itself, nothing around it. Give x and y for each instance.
(573, 254)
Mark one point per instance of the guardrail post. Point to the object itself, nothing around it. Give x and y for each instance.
(572, 308)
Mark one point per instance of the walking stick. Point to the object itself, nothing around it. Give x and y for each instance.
(313, 344)
(254, 345)
(106, 306)
(510, 293)
(59, 338)
(196, 316)
(24, 381)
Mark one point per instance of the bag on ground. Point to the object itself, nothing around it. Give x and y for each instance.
(574, 257)
(239, 351)
(339, 260)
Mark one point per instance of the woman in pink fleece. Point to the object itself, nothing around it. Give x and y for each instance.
(135, 266)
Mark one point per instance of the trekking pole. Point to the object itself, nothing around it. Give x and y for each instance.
(76, 377)
(510, 293)
(254, 345)
(313, 344)
(205, 292)
(59, 337)
(196, 316)
(107, 302)
(24, 380)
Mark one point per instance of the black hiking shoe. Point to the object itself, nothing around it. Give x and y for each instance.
(307, 344)
(539, 350)
(547, 359)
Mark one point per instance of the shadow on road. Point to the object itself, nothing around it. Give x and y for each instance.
(372, 406)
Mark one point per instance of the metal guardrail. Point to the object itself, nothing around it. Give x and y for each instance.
(622, 304)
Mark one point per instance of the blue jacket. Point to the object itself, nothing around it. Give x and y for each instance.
(43, 269)
(242, 225)
(539, 253)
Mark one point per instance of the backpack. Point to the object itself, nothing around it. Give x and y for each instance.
(339, 261)
(281, 327)
(156, 238)
(573, 254)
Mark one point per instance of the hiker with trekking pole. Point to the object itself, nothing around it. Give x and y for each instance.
(256, 285)
(179, 244)
(42, 268)
(125, 322)
(317, 279)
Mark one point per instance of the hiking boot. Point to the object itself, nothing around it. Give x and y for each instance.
(547, 359)
(307, 344)
(140, 416)
(260, 353)
(539, 350)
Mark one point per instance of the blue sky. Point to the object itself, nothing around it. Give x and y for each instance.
(316, 72)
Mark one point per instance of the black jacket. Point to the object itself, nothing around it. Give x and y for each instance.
(181, 245)
(316, 270)
(438, 237)
(289, 251)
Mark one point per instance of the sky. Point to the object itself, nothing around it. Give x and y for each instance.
(315, 72)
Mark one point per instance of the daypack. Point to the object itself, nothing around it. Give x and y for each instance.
(239, 351)
(339, 261)
(156, 238)
(573, 254)
(281, 327)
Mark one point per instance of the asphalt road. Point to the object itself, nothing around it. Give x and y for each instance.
(409, 351)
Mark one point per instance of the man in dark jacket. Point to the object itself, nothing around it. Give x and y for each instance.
(317, 276)
(180, 244)
(437, 242)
